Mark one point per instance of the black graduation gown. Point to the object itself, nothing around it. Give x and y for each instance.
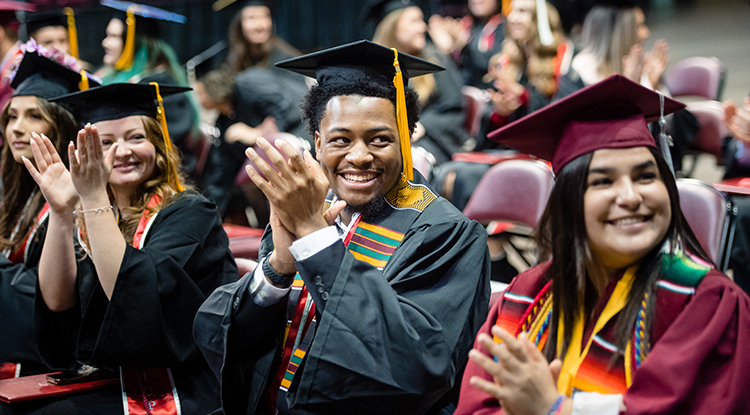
(388, 341)
(148, 320)
(443, 115)
(17, 287)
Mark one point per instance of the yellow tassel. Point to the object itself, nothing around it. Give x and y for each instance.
(128, 50)
(72, 32)
(160, 115)
(402, 119)
(84, 84)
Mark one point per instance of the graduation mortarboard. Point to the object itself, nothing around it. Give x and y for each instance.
(42, 77)
(133, 14)
(610, 114)
(120, 100)
(365, 60)
(64, 18)
(376, 10)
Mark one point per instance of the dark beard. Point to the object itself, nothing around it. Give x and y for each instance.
(369, 210)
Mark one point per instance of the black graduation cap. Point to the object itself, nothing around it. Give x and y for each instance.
(115, 101)
(376, 10)
(36, 21)
(42, 77)
(610, 114)
(366, 60)
(358, 60)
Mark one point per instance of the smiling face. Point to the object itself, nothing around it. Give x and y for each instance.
(410, 31)
(520, 19)
(626, 206)
(53, 37)
(358, 148)
(24, 118)
(257, 24)
(113, 43)
(135, 156)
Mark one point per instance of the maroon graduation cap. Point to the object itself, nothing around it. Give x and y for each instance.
(610, 114)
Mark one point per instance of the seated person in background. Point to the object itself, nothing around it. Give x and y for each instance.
(737, 164)
(10, 47)
(252, 41)
(135, 53)
(614, 33)
(473, 40)
(154, 251)
(49, 30)
(24, 215)
(252, 104)
(628, 316)
(382, 281)
(441, 116)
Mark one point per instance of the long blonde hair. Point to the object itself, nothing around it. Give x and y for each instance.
(608, 34)
(539, 66)
(385, 35)
(158, 184)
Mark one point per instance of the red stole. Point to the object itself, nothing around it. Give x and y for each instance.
(148, 390)
(19, 257)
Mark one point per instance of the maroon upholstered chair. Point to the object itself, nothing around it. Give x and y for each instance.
(475, 101)
(697, 76)
(512, 191)
(710, 214)
(712, 130)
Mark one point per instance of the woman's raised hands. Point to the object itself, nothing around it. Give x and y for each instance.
(51, 174)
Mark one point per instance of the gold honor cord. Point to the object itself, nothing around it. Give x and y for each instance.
(160, 115)
(128, 50)
(402, 119)
(72, 32)
(84, 84)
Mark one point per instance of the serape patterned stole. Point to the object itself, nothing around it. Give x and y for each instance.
(529, 310)
(371, 242)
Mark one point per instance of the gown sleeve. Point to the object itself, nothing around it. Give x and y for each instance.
(700, 364)
(148, 321)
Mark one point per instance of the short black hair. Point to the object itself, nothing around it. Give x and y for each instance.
(314, 104)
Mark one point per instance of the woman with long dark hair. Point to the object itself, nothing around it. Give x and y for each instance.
(628, 314)
(23, 212)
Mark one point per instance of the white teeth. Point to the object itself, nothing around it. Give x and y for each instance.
(628, 221)
(358, 178)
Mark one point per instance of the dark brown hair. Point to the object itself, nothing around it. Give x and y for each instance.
(562, 236)
(18, 185)
(243, 54)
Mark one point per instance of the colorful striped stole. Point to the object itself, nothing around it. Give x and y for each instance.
(367, 242)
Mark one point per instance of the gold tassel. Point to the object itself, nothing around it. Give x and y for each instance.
(128, 50)
(72, 32)
(402, 119)
(84, 84)
(160, 115)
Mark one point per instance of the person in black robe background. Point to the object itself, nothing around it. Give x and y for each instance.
(23, 214)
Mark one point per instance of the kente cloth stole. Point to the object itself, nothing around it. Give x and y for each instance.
(587, 367)
(148, 390)
(373, 243)
(19, 257)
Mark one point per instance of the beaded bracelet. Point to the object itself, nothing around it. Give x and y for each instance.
(557, 405)
(99, 209)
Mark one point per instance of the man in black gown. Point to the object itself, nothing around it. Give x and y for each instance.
(397, 275)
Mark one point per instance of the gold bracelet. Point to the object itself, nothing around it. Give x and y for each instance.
(99, 209)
